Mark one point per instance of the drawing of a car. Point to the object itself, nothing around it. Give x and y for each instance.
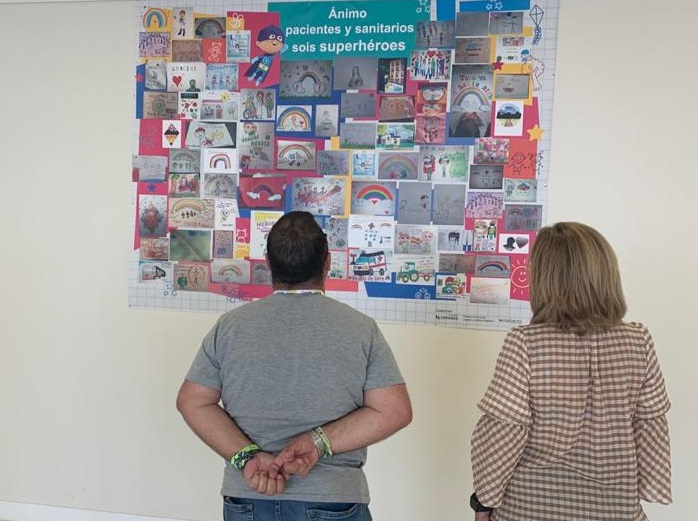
(508, 111)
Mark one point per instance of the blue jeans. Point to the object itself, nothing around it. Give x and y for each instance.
(241, 509)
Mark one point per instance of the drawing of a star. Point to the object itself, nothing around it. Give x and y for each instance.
(535, 133)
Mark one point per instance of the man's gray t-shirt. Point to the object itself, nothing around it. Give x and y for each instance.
(286, 364)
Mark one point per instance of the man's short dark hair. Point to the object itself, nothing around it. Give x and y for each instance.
(296, 249)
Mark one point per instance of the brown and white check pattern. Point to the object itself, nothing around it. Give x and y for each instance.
(574, 427)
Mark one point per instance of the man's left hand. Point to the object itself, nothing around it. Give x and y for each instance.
(256, 474)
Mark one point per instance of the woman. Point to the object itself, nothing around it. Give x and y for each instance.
(574, 424)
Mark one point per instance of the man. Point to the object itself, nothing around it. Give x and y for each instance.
(305, 383)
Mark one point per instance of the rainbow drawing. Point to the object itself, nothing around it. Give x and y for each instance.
(294, 118)
(493, 265)
(374, 193)
(155, 19)
(307, 83)
(210, 29)
(188, 204)
(295, 147)
(221, 160)
(397, 166)
(230, 269)
(262, 189)
(474, 95)
(295, 154)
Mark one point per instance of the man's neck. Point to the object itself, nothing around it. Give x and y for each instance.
(301, 286)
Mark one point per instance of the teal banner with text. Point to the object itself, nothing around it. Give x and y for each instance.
(326, 30)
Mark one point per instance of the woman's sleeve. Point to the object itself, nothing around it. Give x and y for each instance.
(651, 432)
(501, 434)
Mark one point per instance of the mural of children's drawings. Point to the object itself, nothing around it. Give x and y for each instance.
(416, 160)
(411, 269)
(415, 240)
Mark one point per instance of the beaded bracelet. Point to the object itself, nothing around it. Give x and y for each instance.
(245, 454)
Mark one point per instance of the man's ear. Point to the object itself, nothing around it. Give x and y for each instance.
(328, 261)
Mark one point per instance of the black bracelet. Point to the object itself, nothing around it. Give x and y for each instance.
(477, 506)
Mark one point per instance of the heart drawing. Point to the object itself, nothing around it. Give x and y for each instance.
(521, 241)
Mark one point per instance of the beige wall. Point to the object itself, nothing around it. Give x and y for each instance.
(87, 385)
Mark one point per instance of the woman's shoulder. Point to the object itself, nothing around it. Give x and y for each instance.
(631, 327)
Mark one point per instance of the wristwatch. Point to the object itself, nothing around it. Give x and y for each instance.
(477, 506)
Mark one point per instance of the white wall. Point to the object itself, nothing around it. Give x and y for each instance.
(87, 386)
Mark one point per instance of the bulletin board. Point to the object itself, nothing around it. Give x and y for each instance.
(416, 131)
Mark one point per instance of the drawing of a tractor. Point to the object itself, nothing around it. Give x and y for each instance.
(408, 272)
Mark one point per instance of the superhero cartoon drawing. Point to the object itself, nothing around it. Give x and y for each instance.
(270, 40)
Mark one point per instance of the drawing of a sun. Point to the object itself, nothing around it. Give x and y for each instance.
(519, 278)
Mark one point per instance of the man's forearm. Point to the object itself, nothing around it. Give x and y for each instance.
(209, 421)
(217, 430)
(383, 414)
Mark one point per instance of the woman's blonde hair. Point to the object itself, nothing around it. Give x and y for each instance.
(575, 281)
